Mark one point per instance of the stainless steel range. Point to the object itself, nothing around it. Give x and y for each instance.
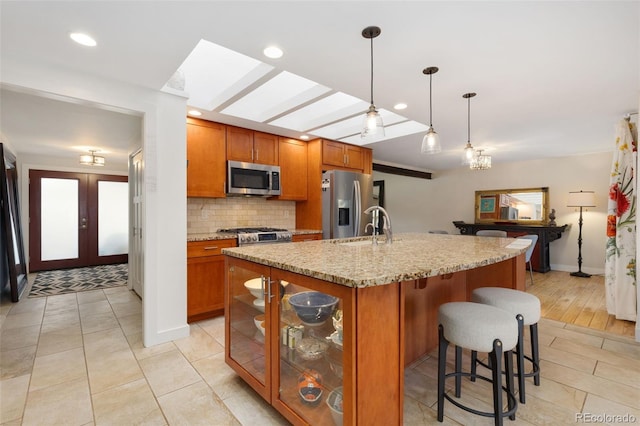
(247, 236)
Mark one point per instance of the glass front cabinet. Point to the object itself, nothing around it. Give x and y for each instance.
(290, 337)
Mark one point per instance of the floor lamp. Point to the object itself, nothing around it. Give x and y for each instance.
(581, 199)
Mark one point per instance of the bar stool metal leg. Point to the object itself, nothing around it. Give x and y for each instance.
(520, 357)
(535, 354)
(458, 370)
(496, 377)
(442, 364)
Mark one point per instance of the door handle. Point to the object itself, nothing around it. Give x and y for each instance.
(83, 223)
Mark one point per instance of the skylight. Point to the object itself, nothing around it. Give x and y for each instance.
(222, 80)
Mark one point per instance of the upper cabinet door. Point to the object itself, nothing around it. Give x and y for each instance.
(354, 156)
(239, 144)
(293, 169)
(333, 153)
(206, 162)
(265, 148)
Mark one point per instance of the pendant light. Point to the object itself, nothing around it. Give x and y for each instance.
(469, 152)
(431, 141)
(372, 127)
(480, 161)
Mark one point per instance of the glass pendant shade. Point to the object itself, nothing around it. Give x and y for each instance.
(372, 124)
(467, 155)
(431, 142)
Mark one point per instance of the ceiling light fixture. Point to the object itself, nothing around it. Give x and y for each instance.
(431, 141)
(304, 137)
(195, 113)
(480, 161)
(467, 156)
(273, 52)
(373, 126)
(92, 159)
(83, 39)
(400, 106)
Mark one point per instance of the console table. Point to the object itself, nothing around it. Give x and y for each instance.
(546, 234)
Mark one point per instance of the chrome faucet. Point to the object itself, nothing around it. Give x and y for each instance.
(386, 227)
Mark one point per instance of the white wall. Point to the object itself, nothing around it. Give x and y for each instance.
(421, 205)
(164, 144)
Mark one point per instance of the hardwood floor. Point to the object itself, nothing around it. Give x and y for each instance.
(578, 301)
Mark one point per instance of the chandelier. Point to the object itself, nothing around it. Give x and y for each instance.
(92, 159)
(480, 161)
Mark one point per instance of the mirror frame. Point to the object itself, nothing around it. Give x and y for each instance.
(495, 193)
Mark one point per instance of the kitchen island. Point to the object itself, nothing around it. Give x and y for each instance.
(388, 297)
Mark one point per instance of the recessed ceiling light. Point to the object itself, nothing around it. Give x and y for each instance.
(83, 39)
(304, 137)
(195, 112)
(400, 105)
(273, 52)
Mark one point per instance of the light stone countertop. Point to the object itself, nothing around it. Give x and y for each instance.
(411, 256)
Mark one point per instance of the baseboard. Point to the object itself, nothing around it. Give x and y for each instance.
(152, 339)
(574, 268)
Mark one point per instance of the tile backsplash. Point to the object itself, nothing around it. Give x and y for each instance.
(207, 215)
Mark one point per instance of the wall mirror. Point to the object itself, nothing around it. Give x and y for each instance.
(13, 270)
(528, 206)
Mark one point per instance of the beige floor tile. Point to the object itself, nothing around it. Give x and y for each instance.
(573, 360)
(105, 341)
(131, 324)
(59, 340)
(120, 295)
(198, 344)
(61, 367)
(90, 296)
(13, 394)
(123, 309)
(420, 388)
(17, 362)
(599, 386)
(98, 322)
(629, 349)
(556, 393)
(94, 308)
(607, 356)
(26, 304)
(23, 319)
(584, 339)
(619, 374)
(415, 413)
(196, 404)
(214, 327)
(250, 409)
(19, 337)
(601, 406)
(61, 303)
(131, 403)
(60, 320)
(135, 342)
(541, 412)
(222, 379)
(112, 369)
(63, 404)
(168, 371)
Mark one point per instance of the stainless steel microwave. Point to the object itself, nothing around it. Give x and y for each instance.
(252, 179)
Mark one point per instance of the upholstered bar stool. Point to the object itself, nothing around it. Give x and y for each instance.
(483, 328)
(525, 308)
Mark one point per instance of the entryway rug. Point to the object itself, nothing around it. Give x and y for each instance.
(50, 283)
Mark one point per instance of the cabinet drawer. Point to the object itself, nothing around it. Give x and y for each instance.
(208, 248)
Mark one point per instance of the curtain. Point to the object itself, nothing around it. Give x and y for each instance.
(620, 264)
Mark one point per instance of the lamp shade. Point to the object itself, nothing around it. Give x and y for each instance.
(581, 199)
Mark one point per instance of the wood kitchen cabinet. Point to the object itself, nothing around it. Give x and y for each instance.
(205, 278)
(298, 238)
(251, 146)
(342, 155)
(293, 169)
(206, 159)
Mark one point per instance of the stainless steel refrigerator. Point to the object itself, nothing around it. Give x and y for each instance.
(345, 195)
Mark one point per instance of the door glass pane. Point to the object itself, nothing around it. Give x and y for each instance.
(113, 218)
(59, 218)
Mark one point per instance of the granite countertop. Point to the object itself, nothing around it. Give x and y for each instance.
(411, 256)
(210, 236)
